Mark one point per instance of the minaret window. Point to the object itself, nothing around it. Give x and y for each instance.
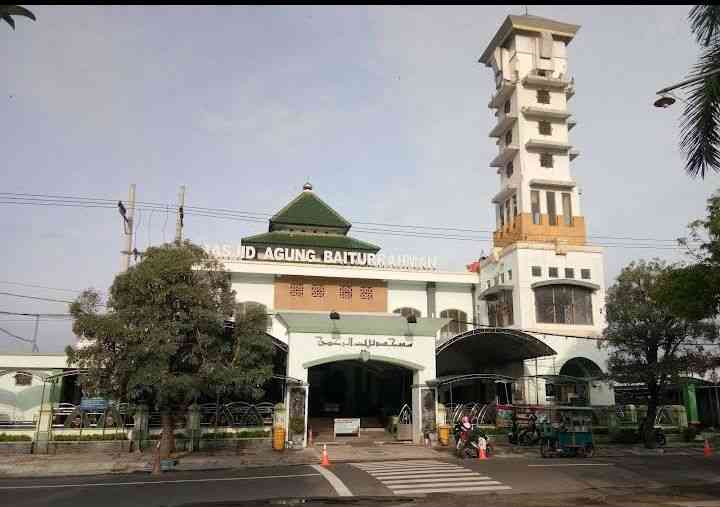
(543, 97)
(509, 169)
(501, 212)
(514, 205)
(567, 209)
(546, 160)
(508, 138)
(507, 107)
(552, 213)
(545, 128)
(507, 212)
(535, 205)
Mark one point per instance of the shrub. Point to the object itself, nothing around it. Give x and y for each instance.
(239, 435)
(4, 437)
(689, 434)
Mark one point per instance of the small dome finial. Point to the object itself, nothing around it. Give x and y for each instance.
(307, 186)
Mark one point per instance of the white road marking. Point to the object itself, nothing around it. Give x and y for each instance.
(576, 465)
(410, 481)
(453, 490)
(334, 481)
(411, 478)
(143, 483)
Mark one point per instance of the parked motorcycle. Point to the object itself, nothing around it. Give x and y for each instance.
(467, 440)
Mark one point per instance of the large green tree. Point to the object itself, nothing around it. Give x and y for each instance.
(654, 336)
(701, 117)
(164, 338)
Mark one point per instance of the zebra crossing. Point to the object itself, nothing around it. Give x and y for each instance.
(428, 476)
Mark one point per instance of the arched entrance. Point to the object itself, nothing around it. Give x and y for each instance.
(581, 367)
(371, 390)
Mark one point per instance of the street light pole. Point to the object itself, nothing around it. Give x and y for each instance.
(689, 81)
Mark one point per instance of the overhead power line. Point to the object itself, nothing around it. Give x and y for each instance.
(400, 230)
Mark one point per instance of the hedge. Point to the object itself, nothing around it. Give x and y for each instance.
(240, 435)
(4, 437)
(89, 438)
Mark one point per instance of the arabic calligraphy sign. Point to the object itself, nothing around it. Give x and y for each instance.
(350, 341)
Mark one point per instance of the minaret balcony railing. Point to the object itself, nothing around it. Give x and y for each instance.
(557, 83)
(507, 153)
(574, 153)
(503, 125)
(545, 112)
(547, 145)
(571, 123)
(503, 93)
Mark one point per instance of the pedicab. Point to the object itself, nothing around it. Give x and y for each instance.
(567, 432)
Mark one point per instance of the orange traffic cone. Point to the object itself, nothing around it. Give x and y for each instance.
(325, 461)
(707, 450)
(481, 454)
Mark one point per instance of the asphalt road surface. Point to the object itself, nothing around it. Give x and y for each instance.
(511, 481)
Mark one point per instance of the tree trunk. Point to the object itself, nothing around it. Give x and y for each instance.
(648, 433)
(167, 441)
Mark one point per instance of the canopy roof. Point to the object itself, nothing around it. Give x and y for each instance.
(362, 324)
(293, 239)
(486, 347)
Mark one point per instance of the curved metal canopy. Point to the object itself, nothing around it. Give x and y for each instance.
(451, 379)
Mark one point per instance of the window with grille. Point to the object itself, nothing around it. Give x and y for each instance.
(508, 138)
(317, 291)
(502, 277)
(456, 326)
(509, 169)
(536, 271)
(509, 274)
(407, 311)
(345, 292)
(546, 160)
(295, 289)
(543, 97)
(569, 273)
(535, 205)
(563, 304)
(500, 309)
(367, 293)
(545, 128)
(507, 107)
(553, 272)
(23, 379)
(585, 274)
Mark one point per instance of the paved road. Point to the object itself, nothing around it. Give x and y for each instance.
(531, 478)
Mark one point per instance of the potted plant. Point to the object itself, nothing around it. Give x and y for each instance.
(297, 427)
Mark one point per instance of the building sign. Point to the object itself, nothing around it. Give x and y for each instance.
(312, 255)
(346, 427)
(363, 342)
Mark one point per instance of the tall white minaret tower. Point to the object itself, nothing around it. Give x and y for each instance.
(538, 198)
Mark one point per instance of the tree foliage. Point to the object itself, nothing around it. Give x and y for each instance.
(699, 124)
(164, 339)
(8, 11)
(653, 333)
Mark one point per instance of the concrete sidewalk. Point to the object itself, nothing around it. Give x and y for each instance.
(34, 465)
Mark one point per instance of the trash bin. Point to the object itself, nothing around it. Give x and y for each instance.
(444, 434)
(278, 438)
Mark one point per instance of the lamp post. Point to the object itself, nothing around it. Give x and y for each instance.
(666, 100)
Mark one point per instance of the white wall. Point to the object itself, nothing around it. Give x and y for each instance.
(454, 298)
(411, 294)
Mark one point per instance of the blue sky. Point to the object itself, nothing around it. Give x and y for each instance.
(383, 109)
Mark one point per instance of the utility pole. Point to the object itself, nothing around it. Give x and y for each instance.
(180, 215)
(127, 215)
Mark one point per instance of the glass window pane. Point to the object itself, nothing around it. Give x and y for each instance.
(535, 203)
(583, 306)
(567, 209)
(544, 305)
(563, 305)
(551, 211)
